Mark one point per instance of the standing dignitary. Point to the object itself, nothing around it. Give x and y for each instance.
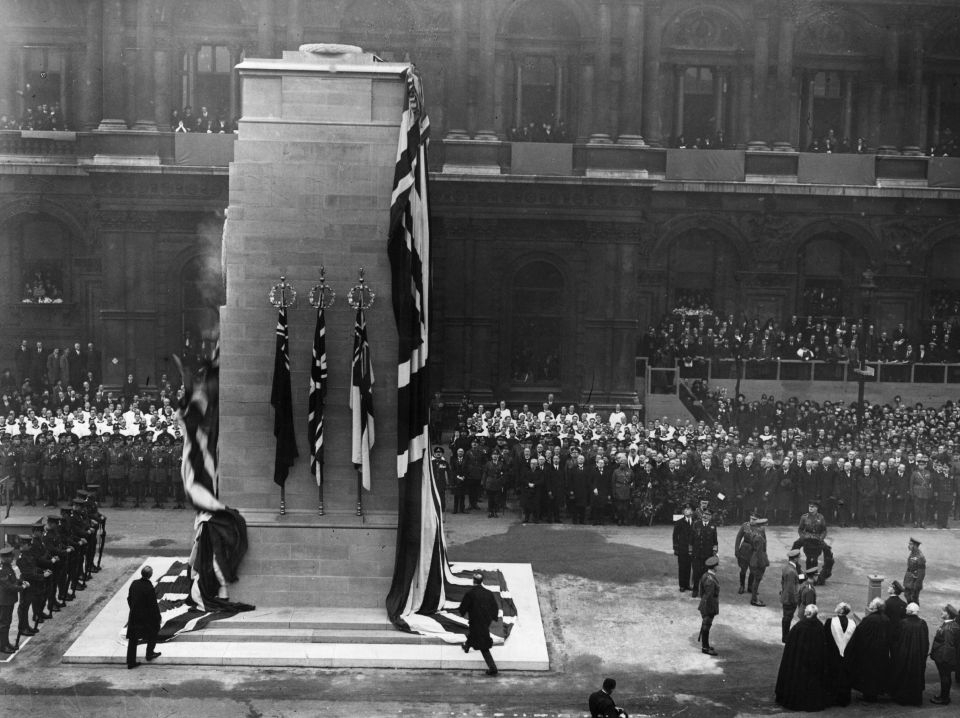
(801, 680)
(921, 487)
(480, 608)
(579, 485)
(908, 659)
(789, 592)
(839, 630)
(682, 539)
(812, 531)
(895, 608)
(10, 586)
(945, 652)
(703, 545)
(709, 589)
(144, 619)
(869, 652)
(916, 571)
(458, 472)
(441, 475)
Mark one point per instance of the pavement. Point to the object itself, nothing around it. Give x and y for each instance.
(609, 603)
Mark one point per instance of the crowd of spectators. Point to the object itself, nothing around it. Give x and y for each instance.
(539, 132)
(39, 117)
(42, 289)
(205, 122)
(640, 471)
(693, 332)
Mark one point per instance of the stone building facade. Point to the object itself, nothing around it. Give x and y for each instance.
(550, 258)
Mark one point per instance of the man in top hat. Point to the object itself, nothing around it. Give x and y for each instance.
(709, 590)
(812, 531)
(480, 607)
(916, 571)
(790, 578)
(682, 539)
(10, 587)
(945, 652)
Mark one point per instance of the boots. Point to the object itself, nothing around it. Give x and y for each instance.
(5, 647)
(784, 629)
(705, 642)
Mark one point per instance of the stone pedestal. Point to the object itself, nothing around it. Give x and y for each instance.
(309, 186)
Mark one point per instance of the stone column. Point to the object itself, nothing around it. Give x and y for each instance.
(8, 78)
(889, 139)
(631, 105)
(164, 77)
(235, 53)
(559, 79)
(587, 114)
(486, 125)
(457, 76)
(652, 95)
(518, 93)
(761, 69)
(294, 24)
(91, 78)
(847, 117)
(601, 109)
(785, 109)
(113, 94)
(915, 135)
(266, 29)
(745, 98)
(719, 81)
(809, 116)
(937, 99)
(679, 77)
(192, 51)
(146, 86)
(875, 121)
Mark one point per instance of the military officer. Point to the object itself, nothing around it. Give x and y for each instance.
(709, 590)
(176, 468)
(30, 469)
(50, 470)
(72, 462)
(812, 531)
(916, 571)
(790, 578)
(117, 468)
(33, 575)
(159, 460)
(46, 563)
(95, 462)
(703, 545)
(139, 468)
(441, 474)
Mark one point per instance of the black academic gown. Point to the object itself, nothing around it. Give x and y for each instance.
(838, 666)
(869, 655)
(908, 663)
(801, 679)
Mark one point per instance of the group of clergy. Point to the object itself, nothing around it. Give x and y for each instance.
(884, 653)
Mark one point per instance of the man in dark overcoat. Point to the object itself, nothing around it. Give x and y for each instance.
(143, 623)
(481, 609)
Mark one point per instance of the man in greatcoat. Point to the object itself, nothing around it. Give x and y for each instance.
(908, 659)
(703, 545)
(916, 572)
(682, 538)
(945, 652)
(143, 622)
(789, 591)
(709, 590)
(480, 608)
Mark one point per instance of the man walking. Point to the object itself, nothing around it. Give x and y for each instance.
(480, 608)
(144, 619)
(709, 589)
(916, 571)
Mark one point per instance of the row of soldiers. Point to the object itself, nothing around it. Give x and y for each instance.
(41, 573)
(133, 467)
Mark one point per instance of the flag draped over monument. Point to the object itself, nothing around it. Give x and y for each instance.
(318, 394)
(361, 399)
(421, 573)
(281, 398)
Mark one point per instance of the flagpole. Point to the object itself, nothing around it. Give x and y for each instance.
(320, 490)
(283, 500)
(282, 296)
(360, 492)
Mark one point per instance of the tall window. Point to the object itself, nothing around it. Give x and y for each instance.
(199, 289)
(538, 90)
(947, 115)
(43, 81)
(829, 277)
(538, 318)
(212, 80)
(699, 105)
(825, 103)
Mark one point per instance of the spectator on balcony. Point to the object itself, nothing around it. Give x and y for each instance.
(189, 121)
(207, 123)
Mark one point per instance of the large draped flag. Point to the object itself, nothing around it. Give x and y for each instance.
(421, 573)
(361, 399)
(220, 533)
(281, 398)
(318, 394)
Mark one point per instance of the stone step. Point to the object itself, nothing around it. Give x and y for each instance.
(307, 635)
(327, 618)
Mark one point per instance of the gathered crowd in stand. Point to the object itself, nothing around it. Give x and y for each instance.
(205, 122)
(540, 132)
(901, 467)
(39, 117)
(690, 333)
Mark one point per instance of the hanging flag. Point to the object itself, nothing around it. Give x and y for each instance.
(318, 395)
(421, 573)
(361, 399)
(281, 398)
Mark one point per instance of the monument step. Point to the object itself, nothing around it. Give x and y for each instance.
(307, 635)
(328, 618)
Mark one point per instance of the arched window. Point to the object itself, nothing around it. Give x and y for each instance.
(701, 264)
(830, 267)
(943, 271)
(538, 320)
(44, 261)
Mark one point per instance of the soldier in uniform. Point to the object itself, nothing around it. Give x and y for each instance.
(10, 587)
(30, 471)
(117, 468)
(709, 590)
(139, 468)
(703, 545)
(50, 470)
(750, 548)
(94, 458)
(72, 462)
(441, 474)
(921, 487)
(33, 575)
(943, 491)
(790, 578)
(159, 460)
(176, 466)
(46, 563)
(8, 461)
(77, 533)
(53, 541)
(916, 571)
(812, 531)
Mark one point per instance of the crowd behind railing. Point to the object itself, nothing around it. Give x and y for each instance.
(563, 461)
